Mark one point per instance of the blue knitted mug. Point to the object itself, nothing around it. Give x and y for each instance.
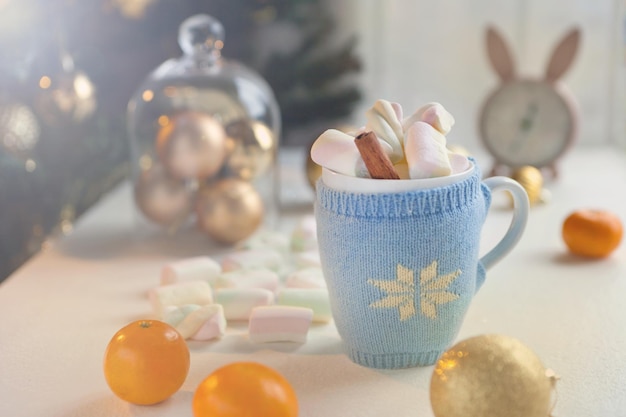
(402, 266)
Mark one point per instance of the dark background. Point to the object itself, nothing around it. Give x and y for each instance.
(47, 183)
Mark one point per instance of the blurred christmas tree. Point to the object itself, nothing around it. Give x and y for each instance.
(69, 67)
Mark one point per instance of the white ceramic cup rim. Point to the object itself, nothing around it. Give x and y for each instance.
(347, 183)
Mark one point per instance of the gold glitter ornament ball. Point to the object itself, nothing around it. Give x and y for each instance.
(191, 145)
(531, 179)
(251, 147)
(161, 198)
(491, 375)
(229, 210)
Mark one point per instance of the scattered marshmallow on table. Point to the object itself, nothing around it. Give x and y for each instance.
(206, 323)
(197, 322)
(304, 234)
(264, 239)
(173, 315)
(311, 277)
(249, 278)
(306, 259)
(191, 269)
(190, 292)
(314, 298)
(279, 324)
(253, 258)
(239, 302)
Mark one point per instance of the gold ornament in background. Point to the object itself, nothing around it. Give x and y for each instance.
(251, 146)
(531, 179)
(66, 97)
(19, 130)
(161, 198)
(132, 9)
(191, 145)
(229, 210)
(491, 375)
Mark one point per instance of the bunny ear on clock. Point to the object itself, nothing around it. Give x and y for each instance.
(500, 55)
(563, 55)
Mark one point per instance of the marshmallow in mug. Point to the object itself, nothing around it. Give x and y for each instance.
(416, 145)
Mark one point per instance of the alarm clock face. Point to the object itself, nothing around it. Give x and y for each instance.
(527, 122)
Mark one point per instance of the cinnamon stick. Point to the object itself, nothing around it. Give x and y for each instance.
(376, 160)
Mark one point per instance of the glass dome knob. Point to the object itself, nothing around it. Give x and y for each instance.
(201, 35)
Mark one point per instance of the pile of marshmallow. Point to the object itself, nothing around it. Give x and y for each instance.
(416, 145)
(274, 282)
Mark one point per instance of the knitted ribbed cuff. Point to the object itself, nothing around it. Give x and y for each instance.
(392, 360)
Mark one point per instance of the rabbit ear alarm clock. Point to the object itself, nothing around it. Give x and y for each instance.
(529, 121)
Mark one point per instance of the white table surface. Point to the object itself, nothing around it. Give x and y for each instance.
(58, 312)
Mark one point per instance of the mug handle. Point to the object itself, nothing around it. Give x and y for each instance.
(521, 208)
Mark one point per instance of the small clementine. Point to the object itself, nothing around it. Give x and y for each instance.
(146, 362)
(245, 389)
(592, 233)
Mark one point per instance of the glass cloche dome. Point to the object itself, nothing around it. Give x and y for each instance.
(204, 134)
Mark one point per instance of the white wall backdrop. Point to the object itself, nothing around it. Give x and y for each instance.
(415, 51)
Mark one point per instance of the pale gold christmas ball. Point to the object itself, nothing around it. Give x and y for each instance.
(66, 98)
(491, 375)
(531, 179)
(191, 145)
(229, 210)
(162, 199)
(251, 148)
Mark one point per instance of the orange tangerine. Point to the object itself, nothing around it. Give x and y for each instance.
(592, 233)
(146, 362)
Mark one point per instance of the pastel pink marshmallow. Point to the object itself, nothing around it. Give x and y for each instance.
(214, 327)
(311, 277)
(197, 322)
(458, 162)
(249, 278)
(309, 258)
(239, 302)
(314, 298)
(304, 234)
(279, 324)
(336, 150)
(426, 152)
(252, 258)
(434, 114)
(191, 269)
(384, 119)
(179, 294)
